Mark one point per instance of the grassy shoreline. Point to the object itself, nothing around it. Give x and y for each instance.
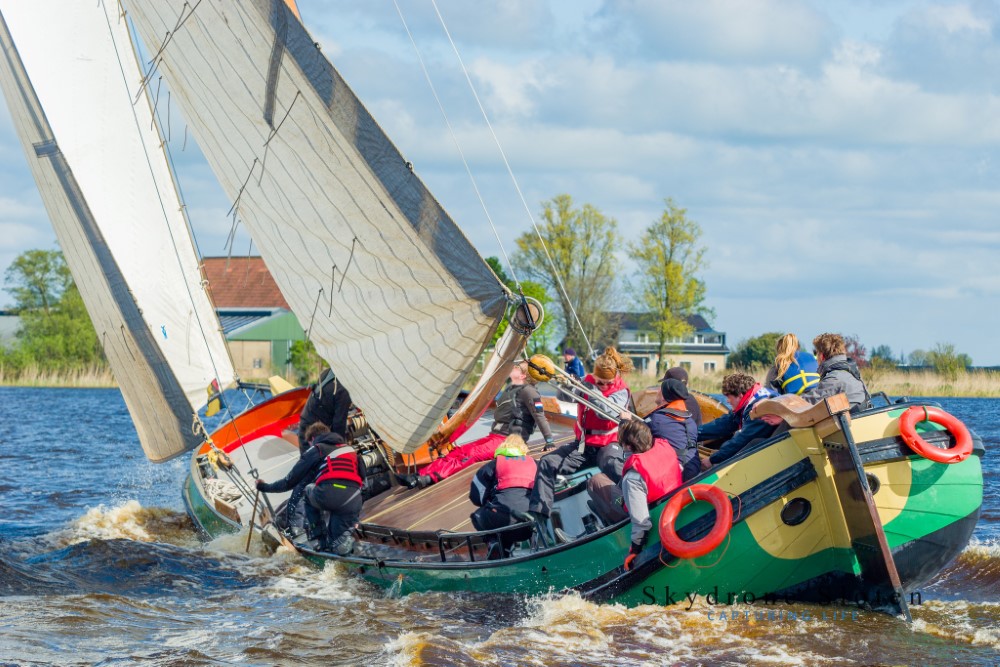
(894, 382)
(95, 377)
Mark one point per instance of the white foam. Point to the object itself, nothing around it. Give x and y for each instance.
(331, 584)
(129, 521)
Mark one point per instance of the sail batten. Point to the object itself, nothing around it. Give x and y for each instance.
(96, 155)
(392, 293)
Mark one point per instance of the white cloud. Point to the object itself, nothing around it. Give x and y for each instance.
(764, 31)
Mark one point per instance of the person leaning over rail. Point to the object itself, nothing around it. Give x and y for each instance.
(651, 472)
(337, 490)
(309, 466)
(736, 428)
(597, 437)
(328, 402)
(519, 409)
(501, 489)
(794, 370)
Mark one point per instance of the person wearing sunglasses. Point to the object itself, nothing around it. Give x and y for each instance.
(596, 437)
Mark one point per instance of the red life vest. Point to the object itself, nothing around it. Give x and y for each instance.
(594, 430)
(658, 467)
(518, 471)
(341, 465)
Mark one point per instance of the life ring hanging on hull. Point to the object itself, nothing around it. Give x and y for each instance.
(908, 431)
(673, 543)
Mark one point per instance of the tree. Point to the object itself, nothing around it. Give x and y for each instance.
(56, 333)
(882, 359)
(36, 279)
(883, 352)
(668, 258)
(582, 244)
(61, 337)
(918, 358)
(305, 361)
(947, 362)
(759, 350)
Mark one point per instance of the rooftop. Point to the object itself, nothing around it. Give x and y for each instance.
(242, 282)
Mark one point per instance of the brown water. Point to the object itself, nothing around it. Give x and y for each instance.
(99, 566)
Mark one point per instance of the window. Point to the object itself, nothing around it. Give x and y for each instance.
(709, 366)
(258, 363)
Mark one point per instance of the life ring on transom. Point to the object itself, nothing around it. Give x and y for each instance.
(908, 431)
(723, 521)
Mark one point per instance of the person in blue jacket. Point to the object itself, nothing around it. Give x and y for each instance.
(573, 364)
(736, 428)
(795, 371)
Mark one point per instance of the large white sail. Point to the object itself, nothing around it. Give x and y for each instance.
(71, 79)
(393, 295)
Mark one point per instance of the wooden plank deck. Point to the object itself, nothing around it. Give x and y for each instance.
(445, 505)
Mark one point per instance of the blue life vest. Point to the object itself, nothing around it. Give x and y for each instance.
(802, 374)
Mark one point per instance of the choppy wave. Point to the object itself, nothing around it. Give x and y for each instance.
(567, 630)
(131, 521)
(973, 623)
(974, 575)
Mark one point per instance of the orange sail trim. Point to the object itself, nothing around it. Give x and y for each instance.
(295, 9)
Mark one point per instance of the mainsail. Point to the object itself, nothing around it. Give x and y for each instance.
(71, 78)
(391, 292)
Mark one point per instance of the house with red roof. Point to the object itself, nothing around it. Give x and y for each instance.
(256, 319)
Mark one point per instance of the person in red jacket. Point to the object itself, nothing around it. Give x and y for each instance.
(651, 472)
(597, 437)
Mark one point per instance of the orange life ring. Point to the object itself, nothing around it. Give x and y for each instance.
(908, 431)
(723, 521)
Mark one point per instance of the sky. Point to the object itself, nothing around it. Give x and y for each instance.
(841, 157)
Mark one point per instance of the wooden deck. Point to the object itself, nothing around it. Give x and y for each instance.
(445, 505)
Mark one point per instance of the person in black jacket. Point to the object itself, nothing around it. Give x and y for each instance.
(305, 471)
(329, 403)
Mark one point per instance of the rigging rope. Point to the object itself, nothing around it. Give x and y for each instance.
(458, 145)
(510, 171)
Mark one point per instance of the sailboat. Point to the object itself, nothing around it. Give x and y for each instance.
(842, 506)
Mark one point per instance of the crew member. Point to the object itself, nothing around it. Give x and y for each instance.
(651, 472)
(736, 427)
(573, 364)
(518, 410)
(501, 489)
(672, 422)
(597, 437)
(329, 403)
(304, 471)
(337, 490)
(678, 373)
